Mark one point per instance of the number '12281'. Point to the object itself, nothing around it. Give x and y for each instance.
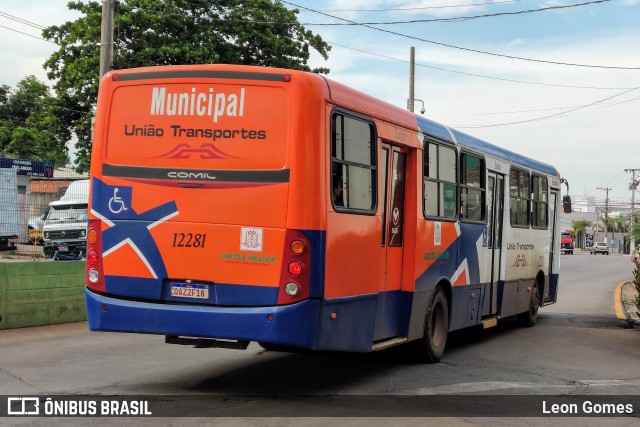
(189, 240)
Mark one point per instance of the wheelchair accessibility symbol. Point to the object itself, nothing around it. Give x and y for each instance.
(116, 204)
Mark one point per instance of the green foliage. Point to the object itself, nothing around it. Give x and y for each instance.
(170, 32)
(28, 123)
(635, 232)
(636, 279)
(579, 228)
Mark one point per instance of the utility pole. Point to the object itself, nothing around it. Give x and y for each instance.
(633, 186)
(412, 72)
(106, 37)
(606, 213)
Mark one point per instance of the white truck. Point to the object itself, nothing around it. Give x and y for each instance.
(65, 227)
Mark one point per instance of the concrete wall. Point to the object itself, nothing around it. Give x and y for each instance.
(41, 293)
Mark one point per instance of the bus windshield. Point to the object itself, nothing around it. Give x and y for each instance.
(66, 213)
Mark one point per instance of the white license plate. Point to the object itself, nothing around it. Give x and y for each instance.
(186, 290)
(63, 249)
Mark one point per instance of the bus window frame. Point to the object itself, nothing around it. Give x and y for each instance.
(428, 139)
(374, 167)
(528, 198)
(482, 188)
(534, 202)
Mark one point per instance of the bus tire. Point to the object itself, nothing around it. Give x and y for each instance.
(529, 318)
(436, 328)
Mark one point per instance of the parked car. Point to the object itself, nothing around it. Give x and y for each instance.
(599, 248)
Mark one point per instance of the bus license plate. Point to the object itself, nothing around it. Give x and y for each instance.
(185, 290)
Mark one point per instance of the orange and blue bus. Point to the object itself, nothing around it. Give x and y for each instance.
(235, 204)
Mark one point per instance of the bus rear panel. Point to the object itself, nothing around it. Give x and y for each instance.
(189, 206)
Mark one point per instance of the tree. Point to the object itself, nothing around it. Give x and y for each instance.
(28, 124)
(170, 32)
(636, 229)
(579, 228)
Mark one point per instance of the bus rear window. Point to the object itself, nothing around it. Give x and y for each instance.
(199, 126)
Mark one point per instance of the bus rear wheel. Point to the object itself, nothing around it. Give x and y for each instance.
(436, 328)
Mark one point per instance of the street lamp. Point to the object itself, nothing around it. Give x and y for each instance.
(410, 106)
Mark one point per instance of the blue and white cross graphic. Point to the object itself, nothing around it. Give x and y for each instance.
(112, 204)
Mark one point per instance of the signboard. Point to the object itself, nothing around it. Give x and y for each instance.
(28, 167)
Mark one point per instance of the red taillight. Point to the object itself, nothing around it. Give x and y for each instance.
(295, 268)
(286, 78)
(92, 256)
(115, 77)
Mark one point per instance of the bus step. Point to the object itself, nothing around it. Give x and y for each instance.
(490, 322)
(388, 343)
(206, 342)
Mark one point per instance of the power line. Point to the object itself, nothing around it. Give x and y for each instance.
(475, 74)
(465, 48)
(463, 18)
(27, 34)
(421, 8)
(548, 116)
(22, 21)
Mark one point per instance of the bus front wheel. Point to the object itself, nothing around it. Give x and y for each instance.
(436, 328)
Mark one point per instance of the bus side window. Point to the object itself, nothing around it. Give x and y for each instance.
(540, 208)
(519, 195)
(353, 166)
(440, 187)
(472, 188)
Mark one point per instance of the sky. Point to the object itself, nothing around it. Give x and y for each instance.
(560, 85)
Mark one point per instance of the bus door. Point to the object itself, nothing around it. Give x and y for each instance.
(495, 215)
(553, 198)
(393, 166)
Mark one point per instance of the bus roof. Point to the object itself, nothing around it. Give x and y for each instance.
(464, 140)
(366, 103)
(350, 98)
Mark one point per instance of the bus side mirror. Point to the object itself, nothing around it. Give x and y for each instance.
(566, 204)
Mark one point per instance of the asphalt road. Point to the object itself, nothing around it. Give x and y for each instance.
(578, 348)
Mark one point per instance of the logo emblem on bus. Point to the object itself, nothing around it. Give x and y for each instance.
(396, 216)
(521, 261)
(251, 239)
(185, 151)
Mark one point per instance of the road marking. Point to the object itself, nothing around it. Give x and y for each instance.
(617, 301)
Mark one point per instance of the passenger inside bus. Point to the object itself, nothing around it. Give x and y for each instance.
(336, 194)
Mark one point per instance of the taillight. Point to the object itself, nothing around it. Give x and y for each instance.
(92, 257)
(295, 276)
(94, 270)
(295, 268)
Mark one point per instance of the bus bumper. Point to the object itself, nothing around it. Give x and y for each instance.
(293, 325)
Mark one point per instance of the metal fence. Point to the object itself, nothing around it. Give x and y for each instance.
(38, 199)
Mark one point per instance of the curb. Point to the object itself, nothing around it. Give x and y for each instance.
(628, 297)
